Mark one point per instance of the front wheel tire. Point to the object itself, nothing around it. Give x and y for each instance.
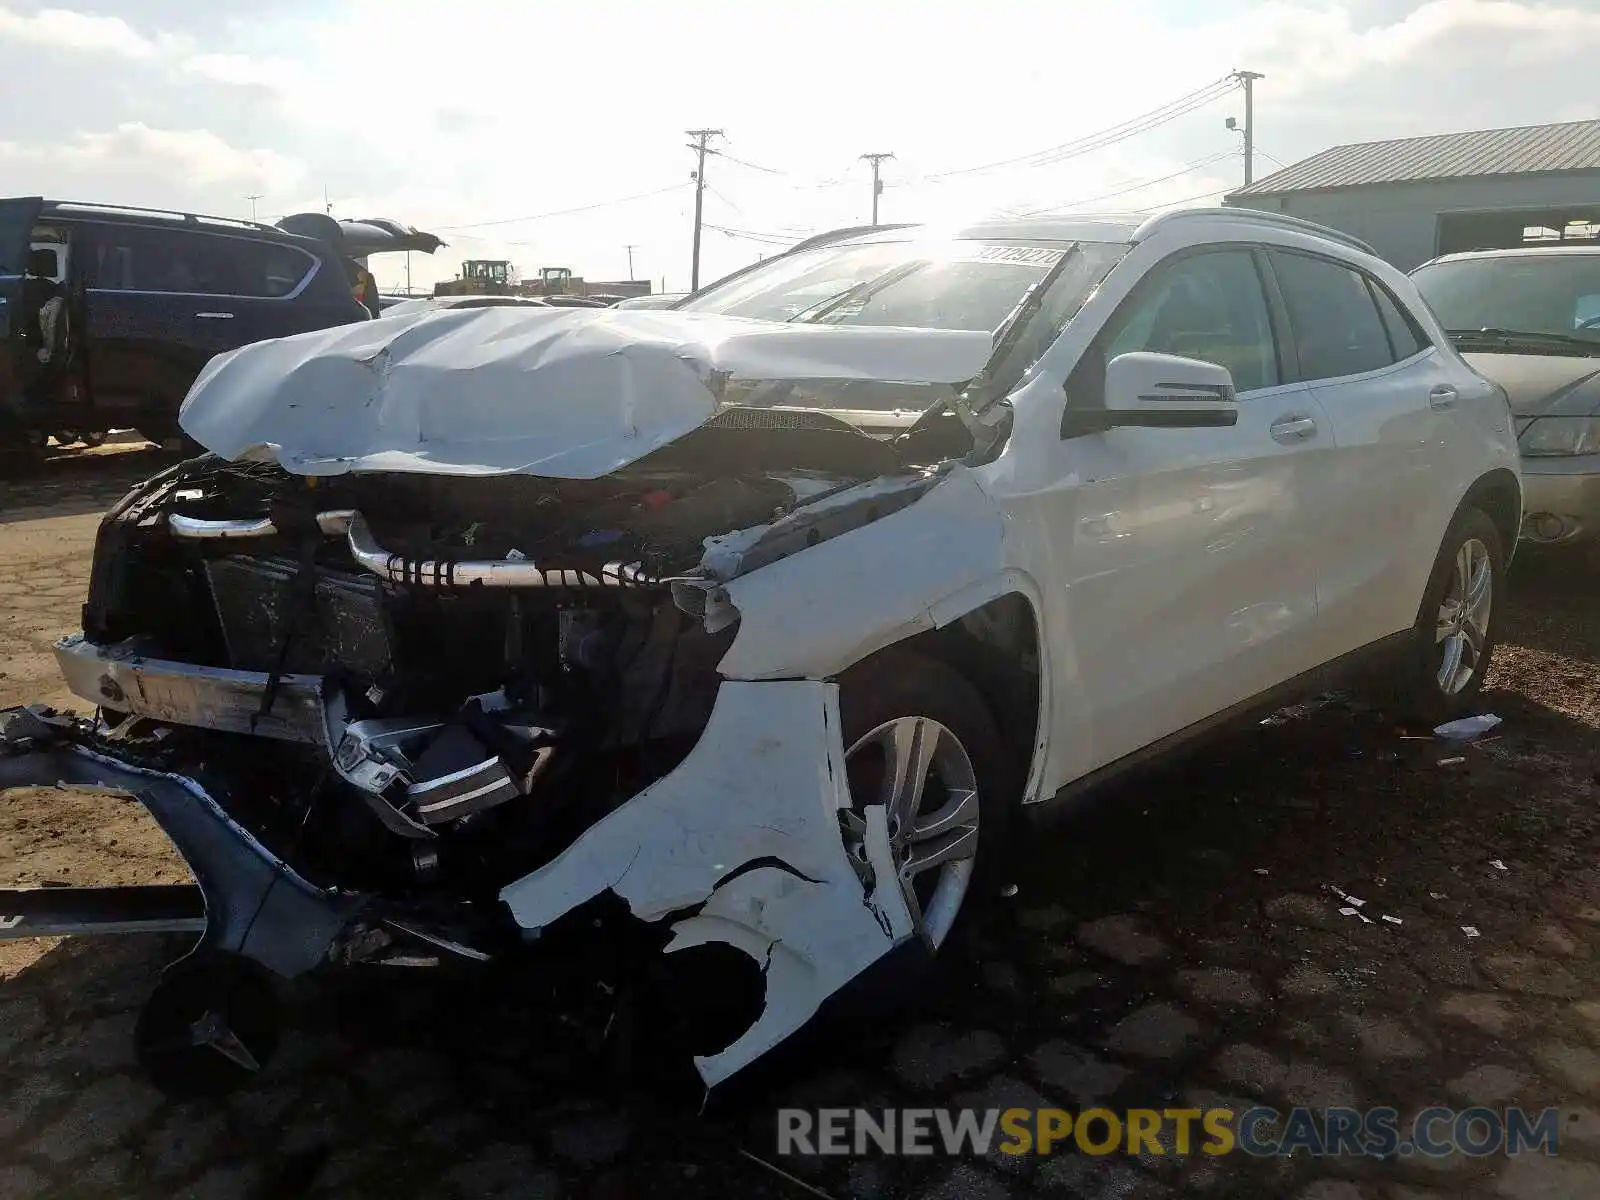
(920, 740)
(1443, 668)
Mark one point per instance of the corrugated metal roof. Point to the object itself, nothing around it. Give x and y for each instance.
(1573, 146)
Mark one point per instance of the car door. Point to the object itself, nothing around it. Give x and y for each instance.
(18, 216)
(1190, 577)
(1388, 393)
(259, 292)
(145, 343)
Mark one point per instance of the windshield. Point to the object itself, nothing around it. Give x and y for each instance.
(955, 285)
(920, 285)
(1557, 295)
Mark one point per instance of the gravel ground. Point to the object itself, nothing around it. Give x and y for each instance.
(1176, 945)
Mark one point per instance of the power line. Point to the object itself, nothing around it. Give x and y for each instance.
(725, 200)
(562, 212)
(1136, 187)
(1107, 136)
(1222, 191)
(1132, 131)
(771, 239)
(818, 184)
(753, 166)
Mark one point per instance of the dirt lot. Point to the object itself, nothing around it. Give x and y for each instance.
(1175, 945)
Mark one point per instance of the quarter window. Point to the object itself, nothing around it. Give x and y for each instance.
(1337, 328)
(1208, 306)
(1404, 336)
(135, 258)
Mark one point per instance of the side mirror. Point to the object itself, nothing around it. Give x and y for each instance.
(1158, 391)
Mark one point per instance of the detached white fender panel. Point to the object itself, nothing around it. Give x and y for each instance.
(834, 603)
(764, 786)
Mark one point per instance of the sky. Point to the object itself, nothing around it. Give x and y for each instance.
(552, 133)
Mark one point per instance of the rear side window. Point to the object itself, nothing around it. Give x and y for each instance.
(1405, 338)
(133, 258)
(1335, 322)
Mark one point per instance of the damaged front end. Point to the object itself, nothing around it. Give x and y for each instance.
(391, 711)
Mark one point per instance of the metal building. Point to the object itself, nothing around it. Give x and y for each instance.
(1414, 198)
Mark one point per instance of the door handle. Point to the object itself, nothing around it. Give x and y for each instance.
(1293, 429)
(215, 316)
(1442, 396)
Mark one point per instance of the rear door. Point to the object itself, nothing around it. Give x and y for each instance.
(1388, 393)
(18, 217)
(280, 289)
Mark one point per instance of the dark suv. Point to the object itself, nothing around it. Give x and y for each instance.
(107, 313)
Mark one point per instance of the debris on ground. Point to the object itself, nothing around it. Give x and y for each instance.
(1466, 728)
(1498, 865)
(1471, 931)
(1450, 762)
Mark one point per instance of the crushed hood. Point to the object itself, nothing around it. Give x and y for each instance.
(1544, 385)
(561, 393)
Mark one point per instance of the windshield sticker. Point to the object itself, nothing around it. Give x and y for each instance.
(1031, 255)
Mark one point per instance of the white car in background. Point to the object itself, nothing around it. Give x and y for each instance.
(747, 633)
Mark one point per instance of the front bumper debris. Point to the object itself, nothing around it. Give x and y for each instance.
(124, 678)
(743, 845)
(255, 905)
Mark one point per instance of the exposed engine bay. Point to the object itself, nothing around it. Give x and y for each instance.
(479, 725)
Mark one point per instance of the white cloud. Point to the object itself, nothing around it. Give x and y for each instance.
(189, 158)
(243, 70)
(76, 31)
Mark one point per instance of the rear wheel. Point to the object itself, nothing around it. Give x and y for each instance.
(1442, 671)
(920, 741)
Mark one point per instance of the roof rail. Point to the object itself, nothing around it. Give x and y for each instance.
(81, 206)
(1258, 216)
(839, 235)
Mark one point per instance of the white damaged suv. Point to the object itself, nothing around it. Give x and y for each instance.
(739, 636)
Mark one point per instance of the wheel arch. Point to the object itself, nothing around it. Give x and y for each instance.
(1499, 494)
(996, 643)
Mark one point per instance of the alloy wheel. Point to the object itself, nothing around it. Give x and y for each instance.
(923, 776)
(1462, 631)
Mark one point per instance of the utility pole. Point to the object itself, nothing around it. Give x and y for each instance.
(630, 250)
(701, 146)
(253, 197)
(1248, 78)
(327, 205)
(877, 184)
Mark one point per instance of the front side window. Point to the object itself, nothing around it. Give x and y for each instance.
(1207, 306)
(1337, 328)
